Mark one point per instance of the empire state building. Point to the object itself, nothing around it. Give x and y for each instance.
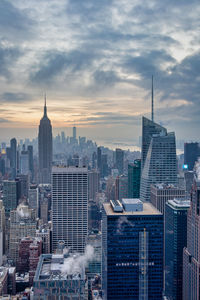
(45, 148)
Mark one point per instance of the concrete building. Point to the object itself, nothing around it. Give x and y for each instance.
(3, 280)
(22, 224)
(93, 183)
(33, 198)
(44, 234)
(132, 251)
(161, 193)
(121, 187)
(56, 278)
(119, 160)
(70, 207)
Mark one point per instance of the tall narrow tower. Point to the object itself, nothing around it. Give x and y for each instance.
(152, 104)
(45, 148)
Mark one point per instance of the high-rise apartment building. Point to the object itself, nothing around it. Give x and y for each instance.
(161, 193)
(45, 148)
(134, 173)
(149, 128)
(132, 251)
(191, 254)
(70, 207)
(191, 154)
(175, 241)
(119, 160)
(160, 163)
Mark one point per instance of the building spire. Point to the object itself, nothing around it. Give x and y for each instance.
(45, 106)
(152, 104)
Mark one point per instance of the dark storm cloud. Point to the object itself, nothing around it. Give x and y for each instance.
(14, 97)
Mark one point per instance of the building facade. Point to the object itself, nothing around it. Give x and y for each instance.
(134, 174)
(132, 251)
(70, 207)
(175, 241)
(45, 148)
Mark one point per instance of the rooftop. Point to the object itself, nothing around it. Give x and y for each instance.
(162, 186)
(179, 203)
(148, 209)
(65, 169)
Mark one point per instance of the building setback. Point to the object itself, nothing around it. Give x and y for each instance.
(70, 207)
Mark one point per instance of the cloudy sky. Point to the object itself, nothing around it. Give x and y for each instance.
(94, 59)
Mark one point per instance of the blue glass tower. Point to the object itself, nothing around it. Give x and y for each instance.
(132, 251)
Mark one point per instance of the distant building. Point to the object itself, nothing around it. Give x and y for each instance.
(132, 251)
(93, 183)
(94, 265)
(10, 198)
(134, 174)
(70, 207)
(33, 198)
(161, 193)
(191, 154)
(45, 148)
(119, 160)
(56, 278)
(121, 187)
(175, 241)
(44, 234)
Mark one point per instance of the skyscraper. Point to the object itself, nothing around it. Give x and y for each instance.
(13, 157)
(10, 197)
(191, 154)
(132, 251)
(175, 241)
(160, 163)
(45, 148)
(74, 133)
(191, 254)
(119, 160)
(70, 207)
(134, 173)
(149, 128)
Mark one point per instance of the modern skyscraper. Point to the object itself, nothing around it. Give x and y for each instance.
(74, 133)
(70, 207)
(93, 183)
(191, 154)
(119, 160)
(45, 147)
(132, 251)
(24, 162)
(149, 128)
(99, 166)
(191, 254)
(175, 241)
(161, 193)
(121, 187)
(30, 160)
(160, 163)
(134, 174)
(10, 199)
(13, 157)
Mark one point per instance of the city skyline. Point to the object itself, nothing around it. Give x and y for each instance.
(95, 61)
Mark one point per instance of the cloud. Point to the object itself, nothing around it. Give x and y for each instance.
(8, 57)
(14, 97)
(2, 120)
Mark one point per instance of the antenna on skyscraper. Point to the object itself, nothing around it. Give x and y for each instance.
(45, 104)
(152, 104)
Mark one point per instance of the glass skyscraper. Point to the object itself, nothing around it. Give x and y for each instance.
(132, 251)
(175, 241)
(134, 173)
(160, 163)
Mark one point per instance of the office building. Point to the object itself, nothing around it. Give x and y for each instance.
(160, 164)
(93, 183)
(99, 160)
(70, 207)
(22, 224)
(119, 160)
(59, 276)
(23, 185)
(121, 187)
(10, 198)
(189, 178)
(33, 197)
(132, 250)
(24, 162)
(13, 158)
(3, 281)
(134, 173)
(44, 234)
(45, 148)
(191, 154)
(30, 161)
(175, 241)
(149, 128)
(161, 193)
(191, 253)
(74, 133)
